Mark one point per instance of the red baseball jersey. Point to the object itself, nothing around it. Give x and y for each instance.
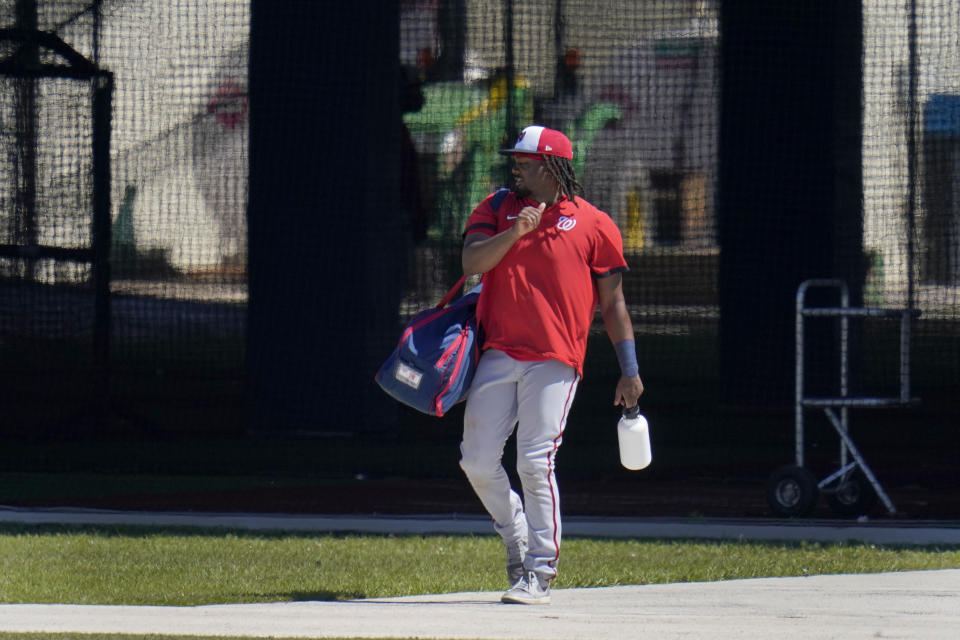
(538, 303)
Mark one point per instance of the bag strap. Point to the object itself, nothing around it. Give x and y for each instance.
(453, 292)
(498, 198)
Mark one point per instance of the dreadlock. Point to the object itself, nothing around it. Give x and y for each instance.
(562, 170)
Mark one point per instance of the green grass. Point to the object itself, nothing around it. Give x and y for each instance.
(139, 565)
(5, 635)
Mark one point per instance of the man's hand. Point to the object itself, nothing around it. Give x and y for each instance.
(528, 219)
(628, 391)
(482, 252)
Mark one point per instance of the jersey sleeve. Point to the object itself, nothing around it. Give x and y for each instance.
(483, 219)
(607, 256)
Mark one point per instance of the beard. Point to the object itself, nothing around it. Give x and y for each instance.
(519, 191)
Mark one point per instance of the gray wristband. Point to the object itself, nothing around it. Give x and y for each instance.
(627, 357)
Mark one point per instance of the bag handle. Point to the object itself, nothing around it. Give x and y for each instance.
(453, 292)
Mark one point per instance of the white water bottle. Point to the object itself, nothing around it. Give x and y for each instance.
(634, 437)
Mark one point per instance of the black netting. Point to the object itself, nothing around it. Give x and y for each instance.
(911, 203)
(173, 78)
(826, 178)
(742, 148)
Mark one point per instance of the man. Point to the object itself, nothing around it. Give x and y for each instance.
(548, 258)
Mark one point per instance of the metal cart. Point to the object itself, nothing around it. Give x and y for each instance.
(852, 489)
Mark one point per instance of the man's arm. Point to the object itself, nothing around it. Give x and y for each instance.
(619, 327)
(482, 252)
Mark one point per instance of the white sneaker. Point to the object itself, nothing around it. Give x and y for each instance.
(529, 589)
(515, 555)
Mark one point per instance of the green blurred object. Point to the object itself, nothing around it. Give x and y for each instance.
(585, 128)
(123, 248)
(459, 131)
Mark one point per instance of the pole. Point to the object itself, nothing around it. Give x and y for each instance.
(558, 52)
(510, 70)
(26, 122)
(101, 113)
(911, 151)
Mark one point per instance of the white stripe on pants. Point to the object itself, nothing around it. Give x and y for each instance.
(536, 396)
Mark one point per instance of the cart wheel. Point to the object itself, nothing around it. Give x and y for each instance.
(854, 495)
(792, 491)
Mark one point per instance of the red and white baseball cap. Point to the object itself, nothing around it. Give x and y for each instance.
(540, 140)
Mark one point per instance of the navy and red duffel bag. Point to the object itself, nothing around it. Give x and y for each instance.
(433, 365)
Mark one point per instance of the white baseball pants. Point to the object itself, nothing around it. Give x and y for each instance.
(536, 398)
